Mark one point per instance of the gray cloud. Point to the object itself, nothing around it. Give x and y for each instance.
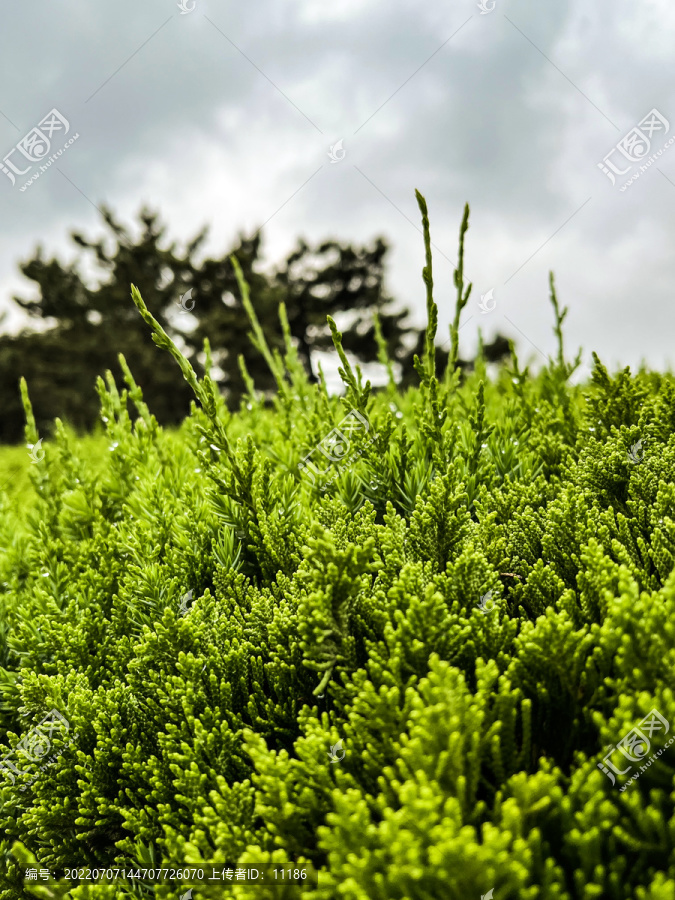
(226, 116)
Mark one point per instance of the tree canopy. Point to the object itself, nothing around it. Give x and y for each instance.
(88, 321)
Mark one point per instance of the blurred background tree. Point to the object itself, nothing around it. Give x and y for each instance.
(87, 322)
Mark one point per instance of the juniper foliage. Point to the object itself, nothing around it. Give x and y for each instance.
(476, 605)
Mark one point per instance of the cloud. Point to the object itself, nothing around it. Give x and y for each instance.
(226, 117)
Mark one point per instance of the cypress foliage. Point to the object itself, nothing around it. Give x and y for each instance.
(473, 596)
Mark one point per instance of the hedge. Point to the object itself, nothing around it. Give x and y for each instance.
(396, 639)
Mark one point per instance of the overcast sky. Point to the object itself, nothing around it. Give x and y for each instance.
(225, 114)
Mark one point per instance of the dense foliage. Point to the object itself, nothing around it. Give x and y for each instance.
(476, 597)
(192, 297)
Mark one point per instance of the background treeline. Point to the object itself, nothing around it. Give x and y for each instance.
(88, 321)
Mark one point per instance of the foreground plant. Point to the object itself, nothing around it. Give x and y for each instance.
(404, 663)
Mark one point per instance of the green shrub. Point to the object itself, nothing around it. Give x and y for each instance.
(472, 609)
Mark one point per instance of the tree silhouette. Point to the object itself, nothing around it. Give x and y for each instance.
(90, 320)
